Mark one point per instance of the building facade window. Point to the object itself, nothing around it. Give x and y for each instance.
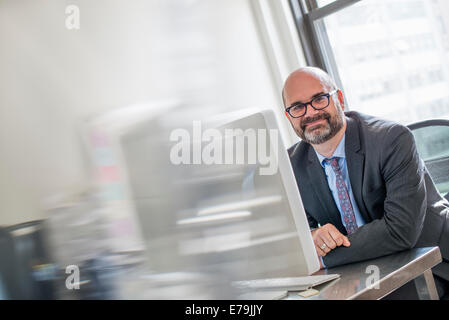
(389, 56)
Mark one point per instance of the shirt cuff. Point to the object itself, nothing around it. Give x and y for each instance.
(322, 262)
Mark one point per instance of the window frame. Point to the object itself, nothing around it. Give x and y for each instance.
(313, 35)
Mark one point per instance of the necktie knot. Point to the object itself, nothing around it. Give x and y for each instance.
(334, 164)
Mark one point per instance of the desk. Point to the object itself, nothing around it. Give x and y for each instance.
(358, 280)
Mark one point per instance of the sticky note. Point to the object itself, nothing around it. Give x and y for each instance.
(308, 293)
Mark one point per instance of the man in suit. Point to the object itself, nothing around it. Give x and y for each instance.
(365, 189)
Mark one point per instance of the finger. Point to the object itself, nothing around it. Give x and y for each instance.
(337, 236)
(316, 237)
(320, 252)
(327, 239)
(326, 248)
(346, 242)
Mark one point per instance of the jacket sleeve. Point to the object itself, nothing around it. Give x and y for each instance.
(313, 224)
(404, 206)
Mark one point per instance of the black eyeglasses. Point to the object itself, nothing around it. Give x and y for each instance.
(320, 102)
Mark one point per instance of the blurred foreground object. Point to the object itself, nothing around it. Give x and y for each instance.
(26, 271)
(150, 227)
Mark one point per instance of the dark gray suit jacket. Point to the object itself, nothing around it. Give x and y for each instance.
(392, 189)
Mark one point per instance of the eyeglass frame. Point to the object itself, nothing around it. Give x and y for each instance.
(327, 95)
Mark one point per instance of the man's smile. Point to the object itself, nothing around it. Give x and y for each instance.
(317, 124)
(319, 121)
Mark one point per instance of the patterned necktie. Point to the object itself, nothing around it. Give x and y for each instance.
(343, 196)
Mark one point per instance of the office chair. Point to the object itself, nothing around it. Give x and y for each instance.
(432, 142)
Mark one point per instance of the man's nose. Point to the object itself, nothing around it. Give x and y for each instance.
(311, 111)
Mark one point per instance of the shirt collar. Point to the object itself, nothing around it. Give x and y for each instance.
(339, 152)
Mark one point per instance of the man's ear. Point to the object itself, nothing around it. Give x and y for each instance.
(341, 99)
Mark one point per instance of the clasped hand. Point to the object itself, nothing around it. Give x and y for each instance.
(327, 238)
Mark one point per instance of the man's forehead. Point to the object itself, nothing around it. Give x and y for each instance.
(302, 88)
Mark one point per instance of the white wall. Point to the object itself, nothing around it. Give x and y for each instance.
(206, 51)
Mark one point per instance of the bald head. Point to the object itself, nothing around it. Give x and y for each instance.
(304, 76)
(315, 125)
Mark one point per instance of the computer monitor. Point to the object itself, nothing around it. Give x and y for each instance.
(230, 211)
(272, 178)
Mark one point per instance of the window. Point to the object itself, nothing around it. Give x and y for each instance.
(389, 56)
(432, 142)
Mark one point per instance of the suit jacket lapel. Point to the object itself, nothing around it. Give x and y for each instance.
(318, 181)
(355, 159)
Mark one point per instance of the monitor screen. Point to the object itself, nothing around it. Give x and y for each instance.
(216, 202)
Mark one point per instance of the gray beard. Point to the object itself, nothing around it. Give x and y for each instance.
(331, 129)
(319, 138)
